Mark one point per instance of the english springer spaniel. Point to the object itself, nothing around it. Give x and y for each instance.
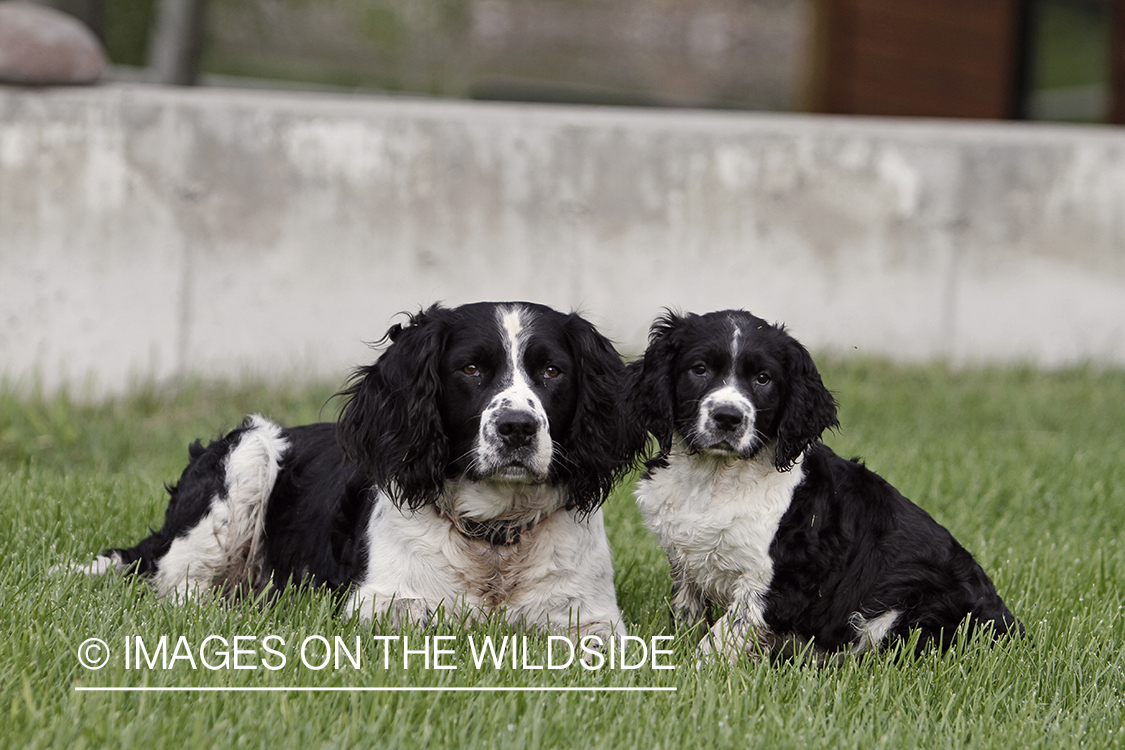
(761, 518)
(465, 475)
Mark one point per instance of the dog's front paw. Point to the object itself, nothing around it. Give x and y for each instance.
(688, 604)
(389, 613)
(711, 650)
(596, 641)
(415, 612)
(730, 639)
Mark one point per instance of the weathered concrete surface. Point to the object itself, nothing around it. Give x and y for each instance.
(148, 232)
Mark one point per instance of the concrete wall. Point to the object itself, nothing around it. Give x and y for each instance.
(148, 232)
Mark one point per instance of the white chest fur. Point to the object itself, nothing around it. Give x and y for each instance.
(716, 516)
(559, 576)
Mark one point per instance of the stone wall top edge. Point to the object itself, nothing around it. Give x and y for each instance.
(713, 122)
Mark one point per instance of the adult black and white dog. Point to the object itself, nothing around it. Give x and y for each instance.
(466, 473)
(761, 518)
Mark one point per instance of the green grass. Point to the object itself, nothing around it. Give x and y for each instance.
(1026, 468)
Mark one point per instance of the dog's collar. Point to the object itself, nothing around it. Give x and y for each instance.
(496, 533)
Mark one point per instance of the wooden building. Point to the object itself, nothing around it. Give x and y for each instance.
(935, 58)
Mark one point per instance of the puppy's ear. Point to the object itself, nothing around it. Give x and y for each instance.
(391, 425)
(652, 387)
(809, 408)
(603, 441)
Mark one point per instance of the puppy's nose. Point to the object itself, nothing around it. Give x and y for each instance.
(516, 428)
(726, 418)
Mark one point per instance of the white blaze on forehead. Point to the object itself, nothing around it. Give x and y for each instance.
(734, 345)
(512, 324)
(515, 393)
(513, 327)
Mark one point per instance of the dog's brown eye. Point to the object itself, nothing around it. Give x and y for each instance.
(551, 372)
(700, 369)
(763, 378)
(471, 370)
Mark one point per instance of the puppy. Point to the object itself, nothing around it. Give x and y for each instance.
(465, 474)
(761, 518)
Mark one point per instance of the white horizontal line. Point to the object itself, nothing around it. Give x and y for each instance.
(190, 689)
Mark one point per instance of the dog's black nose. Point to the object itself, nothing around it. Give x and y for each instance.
(726, 418)
(516, 428)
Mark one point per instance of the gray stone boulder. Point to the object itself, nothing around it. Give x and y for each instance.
(42, 46)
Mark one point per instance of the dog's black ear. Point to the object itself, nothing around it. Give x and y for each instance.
(603, 441)
(391, 425)
(808, 410)
(652, 386)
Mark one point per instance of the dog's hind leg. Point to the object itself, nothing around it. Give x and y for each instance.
(214, 525)
(224, 548)
(109, 561)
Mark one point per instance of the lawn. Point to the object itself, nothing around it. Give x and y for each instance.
(1026, 468)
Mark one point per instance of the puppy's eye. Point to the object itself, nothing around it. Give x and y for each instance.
(763, 378)
(699, 369)
(471, 370)
(550, 371)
